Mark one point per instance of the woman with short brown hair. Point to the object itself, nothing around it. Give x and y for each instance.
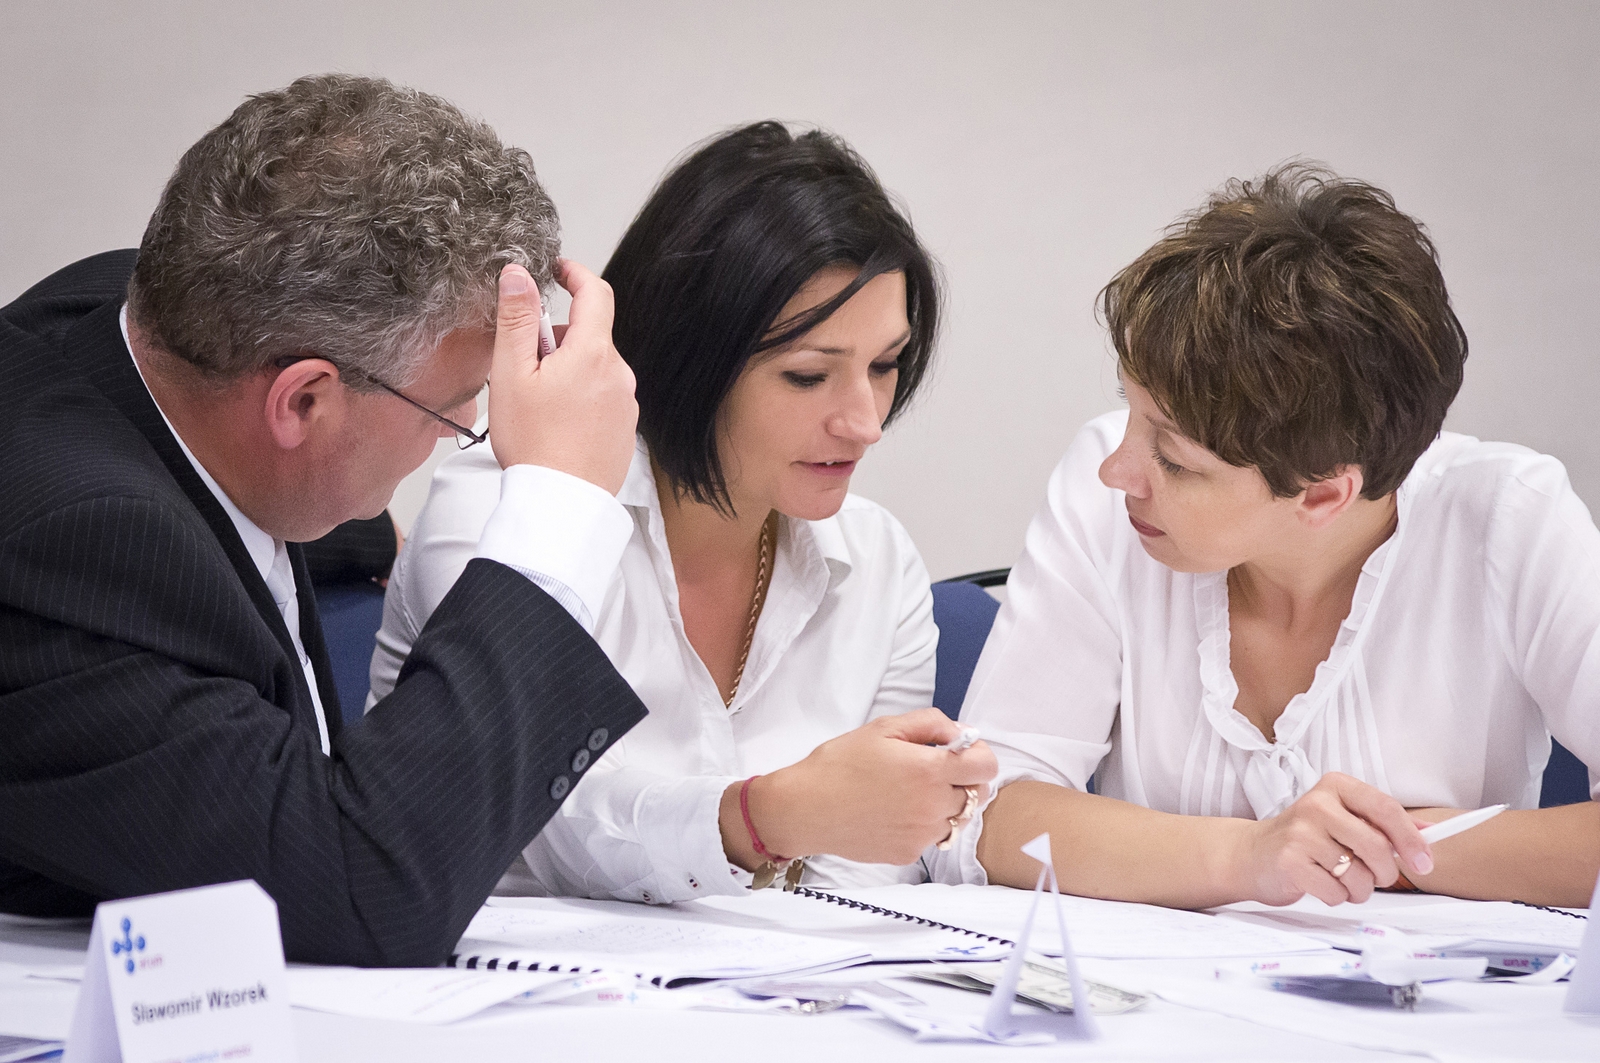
(1279, 617)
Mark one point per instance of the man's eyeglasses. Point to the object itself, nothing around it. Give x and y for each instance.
(465, 437)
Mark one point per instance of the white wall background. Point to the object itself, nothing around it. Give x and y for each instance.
(1039, 146)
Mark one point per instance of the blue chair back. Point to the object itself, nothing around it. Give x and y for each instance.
(351, 614)
(964, 613)
(1566, 779)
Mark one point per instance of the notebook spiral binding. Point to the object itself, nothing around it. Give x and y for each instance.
(1552, 911)
(847, 902)
(470, 963)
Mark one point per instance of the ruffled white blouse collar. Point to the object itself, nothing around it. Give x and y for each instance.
(1329, 727)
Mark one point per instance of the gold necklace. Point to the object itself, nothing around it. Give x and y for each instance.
(763, 581)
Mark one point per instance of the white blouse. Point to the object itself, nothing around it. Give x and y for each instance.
(1473, 635)
(846, 635)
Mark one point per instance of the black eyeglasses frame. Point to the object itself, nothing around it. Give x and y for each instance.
(465, 437)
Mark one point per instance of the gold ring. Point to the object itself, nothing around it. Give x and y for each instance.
(967, 809)
(1341, 865)
(960, 820)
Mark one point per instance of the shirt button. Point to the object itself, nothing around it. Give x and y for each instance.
(598, 738)
(648, 897)
(580, 760)
(559, 787)
(693, 884)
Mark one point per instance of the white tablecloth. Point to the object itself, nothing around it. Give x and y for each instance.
(1197, 1016)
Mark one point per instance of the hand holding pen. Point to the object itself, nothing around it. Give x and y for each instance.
(969, 807)
(881, 793)
(1338, 842)
(569, 408)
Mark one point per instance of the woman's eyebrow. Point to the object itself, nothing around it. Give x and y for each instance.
(1162, 423)
(1165, 424)
(905, 338)
(801, 345)
(1170, 430)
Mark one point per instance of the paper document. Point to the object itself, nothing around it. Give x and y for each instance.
(1453, 1021)
(1100, 929)
(657, 945)
(429, 994)
(885, 938)
(1447, 924)
(22, 1049)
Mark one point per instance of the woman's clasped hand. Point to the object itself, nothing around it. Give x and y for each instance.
(1341, 840)
(880, 794)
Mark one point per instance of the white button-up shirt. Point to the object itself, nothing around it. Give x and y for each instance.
(846, 635)
(1473, 635)
(270, 556)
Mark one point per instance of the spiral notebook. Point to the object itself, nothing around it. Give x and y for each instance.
(759, 935)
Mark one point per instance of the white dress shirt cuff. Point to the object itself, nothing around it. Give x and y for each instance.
(563, 533)
(683, 825)
(958, 865)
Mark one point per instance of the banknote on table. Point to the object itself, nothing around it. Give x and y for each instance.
(1040, 984)
(814, 998)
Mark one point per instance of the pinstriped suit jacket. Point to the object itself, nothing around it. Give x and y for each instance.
(156, 731)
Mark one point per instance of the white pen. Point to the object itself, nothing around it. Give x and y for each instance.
(1466, 821)
(547, 336)
(968, 736)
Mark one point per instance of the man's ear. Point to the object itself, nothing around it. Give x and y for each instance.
(1322, 501)
(305, 397)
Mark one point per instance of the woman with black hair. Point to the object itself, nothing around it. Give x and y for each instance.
(777, 312)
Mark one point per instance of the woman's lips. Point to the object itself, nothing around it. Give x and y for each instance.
(1147, 530)
(837, 468)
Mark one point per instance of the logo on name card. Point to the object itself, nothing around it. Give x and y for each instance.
(129, 944)
(191, 976)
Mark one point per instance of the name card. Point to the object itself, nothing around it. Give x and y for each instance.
(184, 977)
(1583, 989)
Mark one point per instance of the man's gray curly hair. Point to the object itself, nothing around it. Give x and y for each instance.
(341, 217)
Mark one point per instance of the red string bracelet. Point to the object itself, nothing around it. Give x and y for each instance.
(755, 839)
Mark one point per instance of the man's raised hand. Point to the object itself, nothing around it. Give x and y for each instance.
(574, 411)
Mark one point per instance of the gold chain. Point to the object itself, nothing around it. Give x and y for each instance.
(768, 871)
(769, 529)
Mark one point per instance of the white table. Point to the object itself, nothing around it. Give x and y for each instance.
(1472, 1021)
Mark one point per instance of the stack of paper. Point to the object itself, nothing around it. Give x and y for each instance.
(656, 945)
(431, 995)
(26, 1049)
(884, 938)
(1486, 928)
(1099, 929)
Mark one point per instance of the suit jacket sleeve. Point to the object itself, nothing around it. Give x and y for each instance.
(143, 750)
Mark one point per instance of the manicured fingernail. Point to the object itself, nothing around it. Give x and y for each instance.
(514, 280)
(1423, 864)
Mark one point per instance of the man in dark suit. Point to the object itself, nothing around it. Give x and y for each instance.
(313, 305)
